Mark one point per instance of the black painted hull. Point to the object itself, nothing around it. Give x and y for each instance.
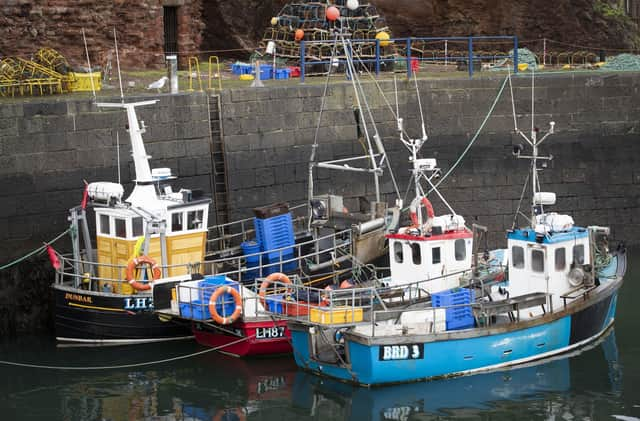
(97, 318)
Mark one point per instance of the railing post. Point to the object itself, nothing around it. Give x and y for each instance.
(302, 54)
(409, 58)
(515, 54)
(377, 57)
(470, 57)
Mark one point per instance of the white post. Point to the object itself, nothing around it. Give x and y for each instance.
(445, 52)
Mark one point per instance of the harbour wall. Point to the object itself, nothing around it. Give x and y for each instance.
(49, 146)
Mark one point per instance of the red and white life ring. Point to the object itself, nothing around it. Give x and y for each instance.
(413, 212)
(274, 277)
(134, 264)
(237, 312)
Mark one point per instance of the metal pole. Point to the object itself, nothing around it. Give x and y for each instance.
(470, 57)
(377, 57)
(408, 58)
(515, 55)
(302, 65)
(172, 60)
(446, 49)
(544, 51)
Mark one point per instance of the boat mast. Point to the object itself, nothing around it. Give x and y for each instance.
(144, 191)
(535, 144)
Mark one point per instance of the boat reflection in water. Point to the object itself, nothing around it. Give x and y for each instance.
(217, 387)
(460, 396)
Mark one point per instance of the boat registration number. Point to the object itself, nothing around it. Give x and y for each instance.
(401, 352)
(270, 332)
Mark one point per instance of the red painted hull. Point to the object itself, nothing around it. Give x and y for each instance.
(258, 333)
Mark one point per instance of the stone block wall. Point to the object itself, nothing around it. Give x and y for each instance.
(49, 148)
(596, 148)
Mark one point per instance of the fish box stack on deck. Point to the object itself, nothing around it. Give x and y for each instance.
(274, 232)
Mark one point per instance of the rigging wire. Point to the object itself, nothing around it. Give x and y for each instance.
(36, 251)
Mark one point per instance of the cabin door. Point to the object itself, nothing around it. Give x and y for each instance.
(538, 266)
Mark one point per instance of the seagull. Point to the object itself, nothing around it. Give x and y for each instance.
(158, 84)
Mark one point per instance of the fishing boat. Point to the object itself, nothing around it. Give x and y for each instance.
(560, 294)
(233, 316)
(156, 238)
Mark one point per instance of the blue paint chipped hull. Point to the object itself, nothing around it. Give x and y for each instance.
(480, 349)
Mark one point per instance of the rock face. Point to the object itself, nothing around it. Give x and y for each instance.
(215, 25)
(26, 26)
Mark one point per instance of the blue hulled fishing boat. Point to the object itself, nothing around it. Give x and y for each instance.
(559, 295)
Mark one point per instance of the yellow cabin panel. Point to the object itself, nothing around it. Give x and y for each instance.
(184, 249)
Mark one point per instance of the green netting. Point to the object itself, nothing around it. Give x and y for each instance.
(623, 62)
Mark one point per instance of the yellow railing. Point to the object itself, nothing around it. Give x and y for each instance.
(217, 74)
(194, 66)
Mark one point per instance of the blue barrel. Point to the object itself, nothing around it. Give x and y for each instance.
(251, 247)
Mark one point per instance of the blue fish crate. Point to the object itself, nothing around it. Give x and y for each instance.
(274, 232)
(275, 265)
(225, 305)
(457, 317)
(195, 310)
(275, 303)
(241, 69)
(249, 249)
(283, 73)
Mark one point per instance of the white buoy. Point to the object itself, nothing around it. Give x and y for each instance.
(352, 4)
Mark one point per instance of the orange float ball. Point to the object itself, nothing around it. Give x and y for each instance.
(332, 13)
(299, 34)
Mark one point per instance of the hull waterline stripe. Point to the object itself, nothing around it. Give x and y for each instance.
(98, 342)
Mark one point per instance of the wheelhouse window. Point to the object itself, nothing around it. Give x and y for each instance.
(537, 260)
(136, 227)
(435, 255)
(105, 228)
(194, 220)
(460, 249)
(517, 255)
(416, 253)
(397, 252)
(176, 222)
(561, 259)
(121, 227)
(578, 254)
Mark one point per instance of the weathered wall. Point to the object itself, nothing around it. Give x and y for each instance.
(28, 25)
(597, 146)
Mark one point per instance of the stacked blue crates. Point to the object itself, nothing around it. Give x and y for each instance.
(457, 317)
(199, 309)
(241, 68)
(272, 233)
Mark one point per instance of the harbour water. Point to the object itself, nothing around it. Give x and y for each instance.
(595, 384)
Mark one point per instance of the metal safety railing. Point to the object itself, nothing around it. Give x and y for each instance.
(407, 54)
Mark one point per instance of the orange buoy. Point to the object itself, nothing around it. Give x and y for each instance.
(299, 34)
(332, 13)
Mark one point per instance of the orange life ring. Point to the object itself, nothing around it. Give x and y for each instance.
(262, 291)
(239, 413)
(212, 305)
(413, 211)
(134, 264)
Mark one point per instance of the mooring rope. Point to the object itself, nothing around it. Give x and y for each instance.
(36, 251)
(115, 367)
(474, 138)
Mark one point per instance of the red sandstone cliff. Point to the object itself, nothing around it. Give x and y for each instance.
(27, 25)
